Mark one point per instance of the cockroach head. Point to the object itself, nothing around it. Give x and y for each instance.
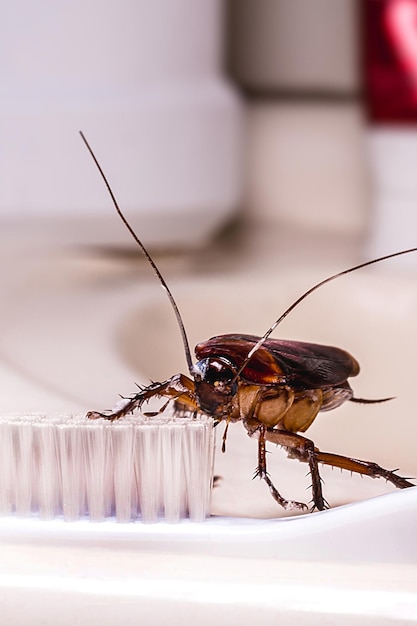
(214, 379)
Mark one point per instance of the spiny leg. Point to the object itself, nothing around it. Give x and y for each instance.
(303, 449)
(261, 471)
(319, 501)
(368, 468)
(179, 387)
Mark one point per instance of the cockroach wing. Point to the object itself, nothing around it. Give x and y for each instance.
(282, 362)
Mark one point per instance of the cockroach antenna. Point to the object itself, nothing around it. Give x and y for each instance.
(259, 344)
(147, 256)
(307, 293)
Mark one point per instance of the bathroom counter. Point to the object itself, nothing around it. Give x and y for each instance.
(83, 324)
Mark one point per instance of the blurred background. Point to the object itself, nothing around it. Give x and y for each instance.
(206, 116)
(255, 145)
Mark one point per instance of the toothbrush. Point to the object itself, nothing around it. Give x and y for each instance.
(72, 467)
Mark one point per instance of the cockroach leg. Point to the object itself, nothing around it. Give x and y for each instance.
(179, 388)
(225, 435)
(368, 468)
(159, 411)
(303, 449)
(261, 471)
(316, 482)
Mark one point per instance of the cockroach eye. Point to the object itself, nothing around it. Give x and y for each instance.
(216, 371)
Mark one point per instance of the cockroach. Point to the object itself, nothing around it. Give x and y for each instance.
(274, 387)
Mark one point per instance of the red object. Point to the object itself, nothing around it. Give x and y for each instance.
(390, 59)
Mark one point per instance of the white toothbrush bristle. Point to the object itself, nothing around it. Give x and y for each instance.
(137, 469)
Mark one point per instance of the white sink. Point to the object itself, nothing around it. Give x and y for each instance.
(78, 334)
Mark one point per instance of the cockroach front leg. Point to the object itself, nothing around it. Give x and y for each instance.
(179, 387)
(261, 471)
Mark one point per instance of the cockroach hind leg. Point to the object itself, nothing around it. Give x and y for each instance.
(318, 502)
(365, 468)
(315, 508)
(298, 447)
(321, 506)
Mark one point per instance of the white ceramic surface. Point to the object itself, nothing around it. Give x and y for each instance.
(81, 331)
(350, 565)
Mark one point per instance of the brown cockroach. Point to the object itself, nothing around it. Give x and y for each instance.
(274, 387)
